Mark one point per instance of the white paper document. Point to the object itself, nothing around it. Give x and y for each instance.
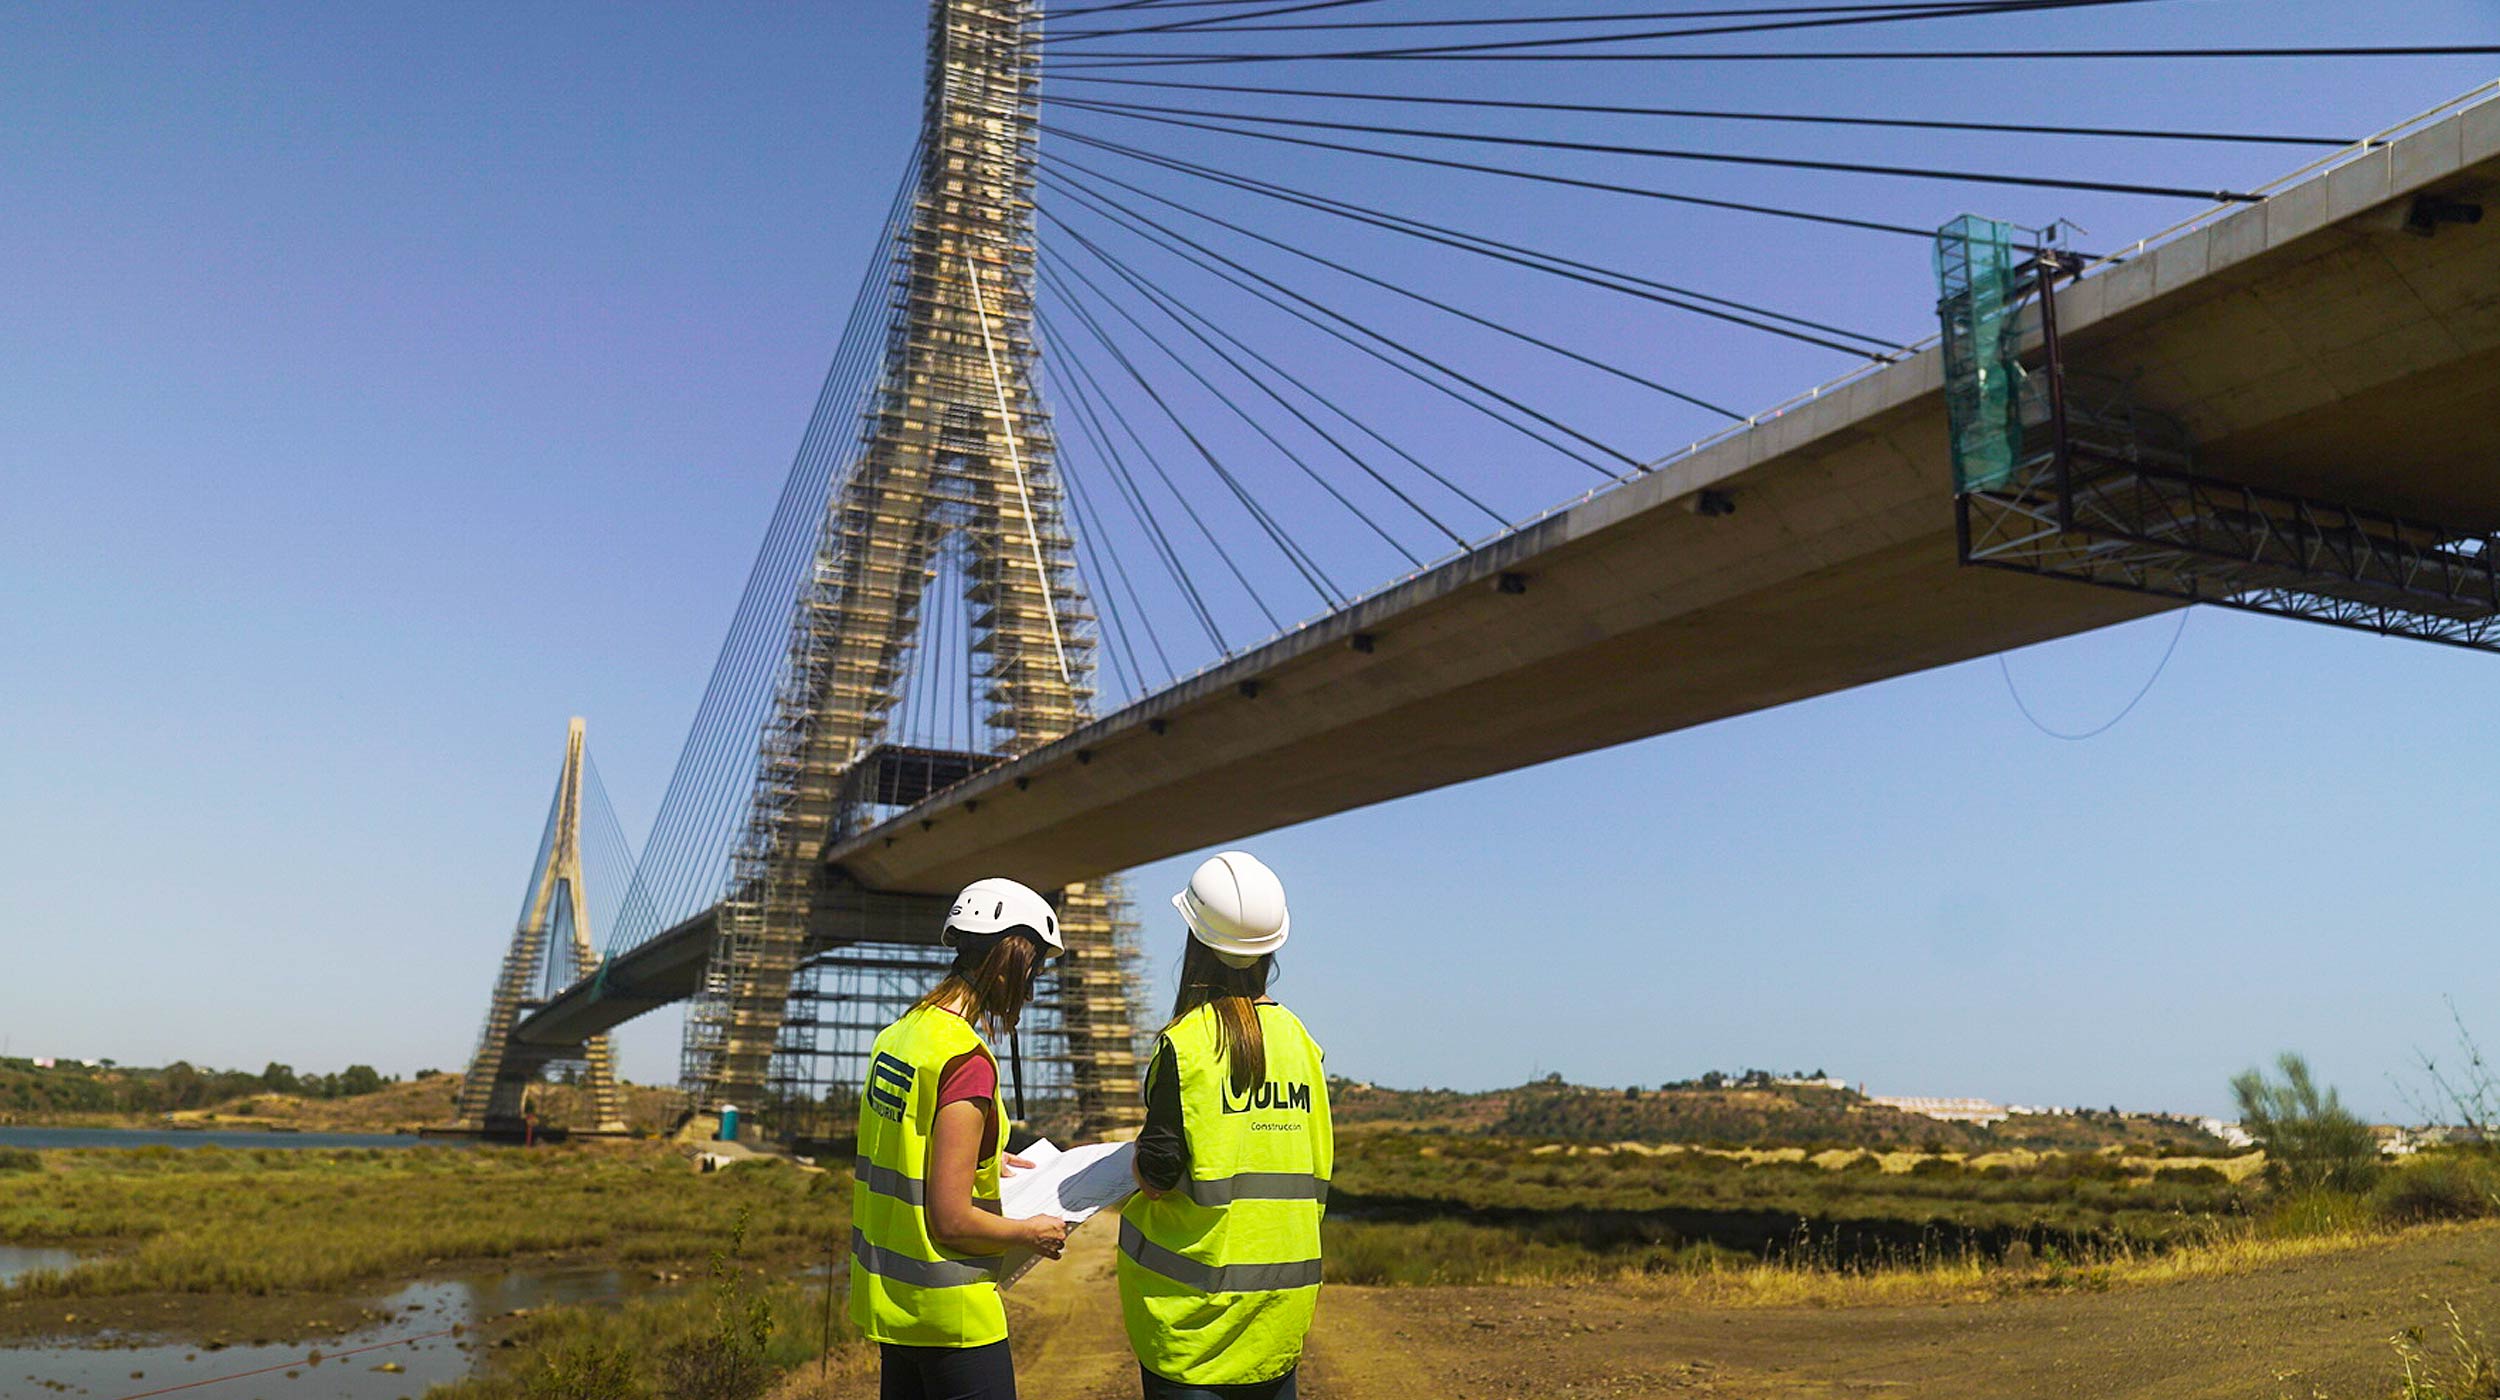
(1073, 1185)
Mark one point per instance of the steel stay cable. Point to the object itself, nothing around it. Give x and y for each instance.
(1438, 305)
(757, 648)
(701, 839)
(1634, 463)
(1218, 265)
(1142, 4)
(731, 745)
(1290, 455)
(1114, 628)
(1103, 396)
(1541, 143)
(700, 794)
(1124, 484)
(1843, 55)
(1138, 5)
(1292, 549)
(1208, 23)
(1537, 259)
(1091, 519)
(1315, 396)
(1707, 114)
(1088, 419)
(1510, 48)
(1540, 177)
(1154, 459)
(1182, 311)
(1228, 25)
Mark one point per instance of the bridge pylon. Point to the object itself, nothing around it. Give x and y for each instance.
(493, 1094)
(957, 451)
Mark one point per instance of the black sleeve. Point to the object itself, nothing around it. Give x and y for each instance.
(1162, 1149)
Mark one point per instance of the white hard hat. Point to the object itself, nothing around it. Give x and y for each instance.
(1236, 906)
(1002, 906)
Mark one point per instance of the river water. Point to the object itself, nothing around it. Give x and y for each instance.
(238, 1137)
(350, 1368)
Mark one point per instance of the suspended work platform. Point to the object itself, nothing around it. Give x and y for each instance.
(2062, 473)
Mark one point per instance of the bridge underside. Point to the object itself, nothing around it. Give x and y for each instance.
(2311, 345)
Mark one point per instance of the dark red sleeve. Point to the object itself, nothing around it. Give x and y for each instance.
(970, 1075)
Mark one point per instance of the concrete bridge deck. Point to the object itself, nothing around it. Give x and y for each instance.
(2310, 343)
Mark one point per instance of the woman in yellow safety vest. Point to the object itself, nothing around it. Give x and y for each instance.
(1219, 1254)
(927, 1239)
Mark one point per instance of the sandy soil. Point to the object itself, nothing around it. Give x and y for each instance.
(2313, 1327)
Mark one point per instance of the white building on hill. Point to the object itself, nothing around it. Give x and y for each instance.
(1979, 1112)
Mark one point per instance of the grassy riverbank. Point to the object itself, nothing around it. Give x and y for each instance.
(206, 1221)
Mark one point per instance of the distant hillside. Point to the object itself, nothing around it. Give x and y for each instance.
(1730, 1114)
(356, 1100)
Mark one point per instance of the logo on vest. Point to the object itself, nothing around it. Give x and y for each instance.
(1293, 1098)
(889, 1086)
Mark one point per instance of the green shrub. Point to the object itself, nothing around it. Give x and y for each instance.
(2191, 1176)
(2311, 1140)
(2319, 1210)
(586, 1370)
(18, 1159)
(2444, 1186)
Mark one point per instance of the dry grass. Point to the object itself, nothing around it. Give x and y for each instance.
(207, 1221)
(1443, 1253)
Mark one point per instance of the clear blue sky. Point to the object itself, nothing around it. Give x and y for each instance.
(381, 385)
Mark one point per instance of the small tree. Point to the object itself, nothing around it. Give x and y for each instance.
(2311, 1140)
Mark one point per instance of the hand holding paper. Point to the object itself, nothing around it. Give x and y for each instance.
(1072, 1186)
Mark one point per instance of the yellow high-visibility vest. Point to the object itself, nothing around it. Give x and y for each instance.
(1219, 1279)
(906, 1288)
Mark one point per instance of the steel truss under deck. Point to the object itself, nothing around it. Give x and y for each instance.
(2100, 490)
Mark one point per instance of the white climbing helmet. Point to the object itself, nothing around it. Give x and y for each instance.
(999, 905)
(1235, 905)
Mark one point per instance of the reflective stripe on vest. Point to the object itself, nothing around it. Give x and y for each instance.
(919, 1273)
(1215, 1278)
(885, 1181)
(906, 1288)
(1256, 1186)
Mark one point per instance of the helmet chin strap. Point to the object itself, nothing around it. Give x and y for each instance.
(971, 950)
(1015, 1064)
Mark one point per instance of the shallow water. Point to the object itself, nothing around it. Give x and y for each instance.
(411, 1339)
(19, 1260)
(236, 1137)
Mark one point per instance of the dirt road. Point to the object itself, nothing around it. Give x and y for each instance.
(2312, 1327)
(1063, 1320)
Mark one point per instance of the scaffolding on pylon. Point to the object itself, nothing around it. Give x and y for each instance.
(957, 446)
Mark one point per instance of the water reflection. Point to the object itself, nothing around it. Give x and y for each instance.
(412, 1343)
(16, 1261)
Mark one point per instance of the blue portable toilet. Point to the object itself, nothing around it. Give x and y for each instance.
(728, 1122)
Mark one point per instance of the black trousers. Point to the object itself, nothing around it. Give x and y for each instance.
(947, 1373)
(1162, 1388)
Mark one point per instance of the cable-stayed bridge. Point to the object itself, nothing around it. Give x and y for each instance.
(965, 647)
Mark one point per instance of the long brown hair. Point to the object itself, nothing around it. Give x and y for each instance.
(989, 985)
(1235, 992)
